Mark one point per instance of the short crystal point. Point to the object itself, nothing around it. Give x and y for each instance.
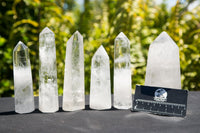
(78, 33)
(100, 89)
(20, 46)
(48, 89)
(122, 73)
(163, 64)
(101, 52)
(74, 90)
(122, 36)
(23, 85)
(166, 39)
(46, 30)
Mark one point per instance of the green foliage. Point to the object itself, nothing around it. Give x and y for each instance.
(99, 21)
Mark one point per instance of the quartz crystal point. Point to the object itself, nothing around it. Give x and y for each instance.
(100, 89)
(74, 90)
(48, 90)
(122, 73)
(23, 85)
(163, 65)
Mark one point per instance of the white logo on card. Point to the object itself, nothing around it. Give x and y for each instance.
(160, 95)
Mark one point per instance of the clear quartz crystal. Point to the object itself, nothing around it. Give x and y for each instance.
(163, 64)
(74, 90)
(100, 89)
(48, 90)
(23, 85)
(122, 73)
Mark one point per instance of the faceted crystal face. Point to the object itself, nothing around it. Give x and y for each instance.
(122, 73)
(48, 90)
(163, 65)
(74, 90)
(21, 55)
(75, 56)
(100, 91)
(23, 86)
(122, 52)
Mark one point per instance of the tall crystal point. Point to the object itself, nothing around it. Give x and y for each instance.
(163, 64)
(100, 89)
(74, 90)
(23, 85)
(122, 73)
(48, 90)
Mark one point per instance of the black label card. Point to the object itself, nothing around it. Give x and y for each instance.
(161, 101)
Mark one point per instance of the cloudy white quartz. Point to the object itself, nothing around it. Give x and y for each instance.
(74, 90)
(23, 85)
(122, 73)
(100, 89)
(163, 64)
(48, 90)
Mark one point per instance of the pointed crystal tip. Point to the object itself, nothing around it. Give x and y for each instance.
(164, 34)
(101, 51)
(20, 46)
(121, 35)
(77, 36)
(77, 32)
(45, 31)
(164, 37)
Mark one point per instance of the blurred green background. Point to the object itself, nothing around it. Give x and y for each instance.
(100, 21)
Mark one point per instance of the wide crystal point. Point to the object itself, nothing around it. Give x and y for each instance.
(122, 73)
(20, 46)
(100, 89)
(78, 33)
(46, 30)
(23, 85)
(101, 52)
(122, 36)
(48, 89)
(163, 64)
(74, 90)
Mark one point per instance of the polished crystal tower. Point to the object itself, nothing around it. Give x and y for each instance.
(74, 90)
(23, 84)
(48, 90)
(163, 64)
(100, 89)
(122, 73)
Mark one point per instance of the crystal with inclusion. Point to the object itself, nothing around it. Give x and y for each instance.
(163, 64)
(100, 89)
(74, 90)
(48, 90)
(122, 73)
(23, 85)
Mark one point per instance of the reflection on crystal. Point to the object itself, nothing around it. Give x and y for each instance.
(23, 85)
(48, 90)
(74, 90)
(122, 73)
(163, 65)
(100, 91)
